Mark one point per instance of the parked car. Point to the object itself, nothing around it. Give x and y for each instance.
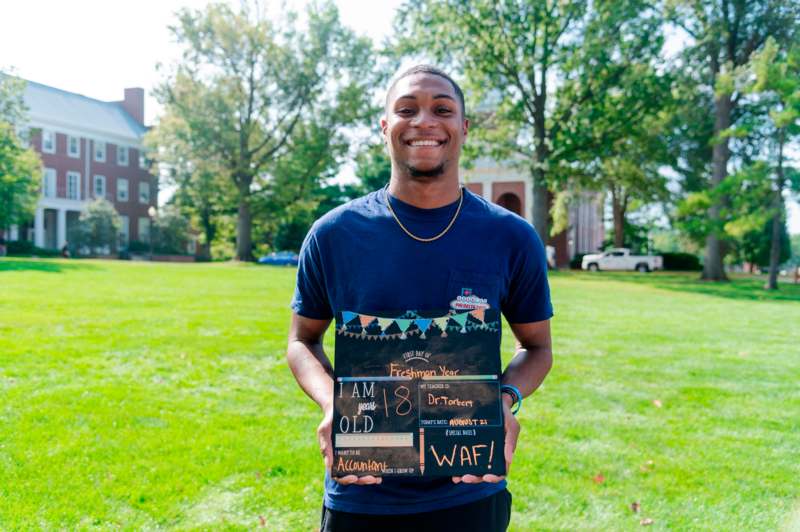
(621, 259)
(280, 258)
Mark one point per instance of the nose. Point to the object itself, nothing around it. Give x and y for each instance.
(424, 119)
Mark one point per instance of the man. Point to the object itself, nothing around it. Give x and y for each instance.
(416, 244)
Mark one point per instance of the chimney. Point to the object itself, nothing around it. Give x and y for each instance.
(134, 103)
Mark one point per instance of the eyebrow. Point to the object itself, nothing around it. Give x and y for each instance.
(437, 97)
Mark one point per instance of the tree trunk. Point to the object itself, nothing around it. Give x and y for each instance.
(618, 210)
(244, 227)
(541, 205)
(712, 267)
(777, 220)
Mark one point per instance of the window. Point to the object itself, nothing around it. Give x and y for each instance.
(144, 192)
(144, 229)
(49, 183)
(73, 185)
(124, 230)
(122, 155)
(99, 151)
(142, 161)
(73, 146)
(99, 186)
(122, 189)
(48, 141)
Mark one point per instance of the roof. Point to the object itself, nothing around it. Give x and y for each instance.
(49, 104)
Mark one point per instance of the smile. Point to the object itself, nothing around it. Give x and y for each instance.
(425, 143)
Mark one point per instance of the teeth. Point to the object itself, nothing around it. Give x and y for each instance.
(424, 142)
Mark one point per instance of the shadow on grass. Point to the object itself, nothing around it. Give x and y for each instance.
(43, 265)
(740, 287)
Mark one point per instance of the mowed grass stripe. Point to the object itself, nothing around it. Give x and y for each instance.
(156, 395)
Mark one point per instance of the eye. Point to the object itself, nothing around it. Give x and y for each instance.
(444, 110)
(405, 111)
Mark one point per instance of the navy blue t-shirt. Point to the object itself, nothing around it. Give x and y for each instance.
(357, 258)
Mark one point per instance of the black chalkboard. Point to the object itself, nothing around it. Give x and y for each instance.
(418, 394)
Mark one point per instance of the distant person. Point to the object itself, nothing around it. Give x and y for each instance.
(419, 243)
(65, 251)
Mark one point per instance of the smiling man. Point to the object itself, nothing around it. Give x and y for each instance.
(418, 244)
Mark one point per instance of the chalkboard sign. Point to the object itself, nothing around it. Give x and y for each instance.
(418, 394)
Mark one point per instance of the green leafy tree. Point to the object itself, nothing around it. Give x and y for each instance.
(246, 86)
(515, 55)
(725, 33)
(777, 80)
(20, 167)
(373, 168)
(170, 231)
(97, 230)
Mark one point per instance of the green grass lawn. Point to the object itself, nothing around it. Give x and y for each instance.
(141, 395)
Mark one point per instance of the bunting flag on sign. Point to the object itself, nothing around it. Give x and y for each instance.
(423, 324)
(461, 319)
(478, 314)
(442, 324)
(404, 324)
(385, 323)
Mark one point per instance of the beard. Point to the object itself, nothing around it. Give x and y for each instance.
(422, 175)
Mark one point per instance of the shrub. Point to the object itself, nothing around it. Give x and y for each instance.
(577, 260)
(681, 261)
(97, 230)
(25, 248)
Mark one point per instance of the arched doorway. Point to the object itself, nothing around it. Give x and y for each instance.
(510, 201)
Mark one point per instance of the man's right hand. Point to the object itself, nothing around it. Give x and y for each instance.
(324, 432)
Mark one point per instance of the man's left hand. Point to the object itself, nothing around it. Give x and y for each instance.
(512, 428)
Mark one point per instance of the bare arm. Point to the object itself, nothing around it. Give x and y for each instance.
(307, 359)
(313, 371)
(526, 371)
(534, 357)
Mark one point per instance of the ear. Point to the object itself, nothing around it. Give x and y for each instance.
(384, 127)
(465, 126)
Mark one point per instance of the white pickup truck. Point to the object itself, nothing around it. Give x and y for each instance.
(621, 259)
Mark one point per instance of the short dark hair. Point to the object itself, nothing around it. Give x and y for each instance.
(429, 69)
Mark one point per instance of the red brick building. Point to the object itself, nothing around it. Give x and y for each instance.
(513, 189)
(89, 149)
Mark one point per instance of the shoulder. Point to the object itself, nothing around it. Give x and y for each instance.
(514, 228)
(347, 216)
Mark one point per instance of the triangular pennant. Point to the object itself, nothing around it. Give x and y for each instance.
(385, 323)
(478, 314)
(403, 324)
(461, 319)
(365, 320)
(441, 322)
(423, 324)
(347, 316)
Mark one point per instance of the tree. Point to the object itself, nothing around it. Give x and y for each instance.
(777, 79)
(725, 33)
(170, 232)
(247, 84)
(515, 54)
(97, 230)
(20, 167)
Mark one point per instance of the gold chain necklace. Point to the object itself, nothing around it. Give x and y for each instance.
(412, 235)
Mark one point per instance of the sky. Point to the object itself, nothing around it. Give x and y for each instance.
(99, 47)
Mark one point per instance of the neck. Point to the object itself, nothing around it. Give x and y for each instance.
(438, 192)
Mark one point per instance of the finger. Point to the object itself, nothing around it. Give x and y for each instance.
(470, 479)
(369, 479)
(493, 478)
(347, 479)
(456, 480)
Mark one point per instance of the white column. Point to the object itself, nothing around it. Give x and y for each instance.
(14, 233)
(61, 228)
(38, 227)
